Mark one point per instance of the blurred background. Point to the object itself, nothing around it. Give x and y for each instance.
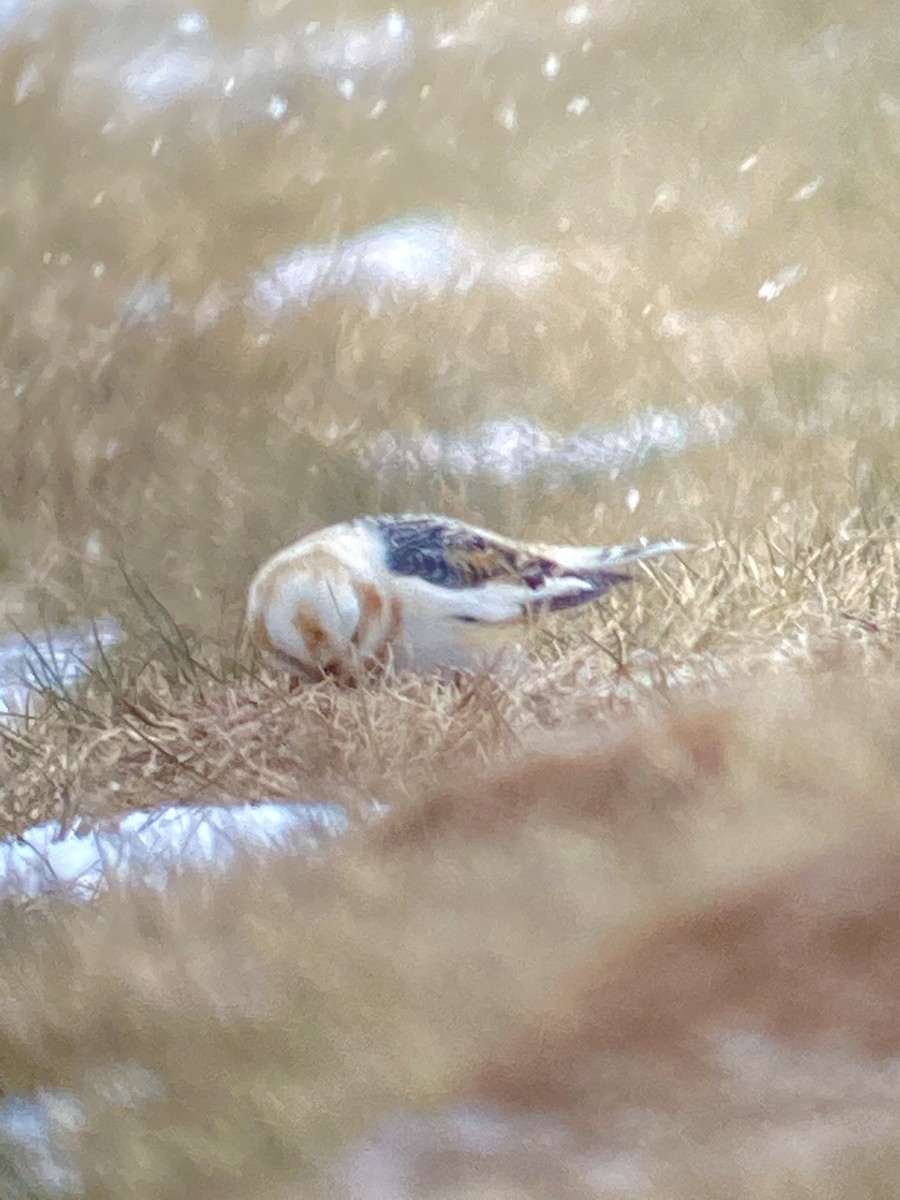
(579, 270)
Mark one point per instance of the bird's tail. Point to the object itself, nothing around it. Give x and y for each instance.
(587, 559)
(592, 570)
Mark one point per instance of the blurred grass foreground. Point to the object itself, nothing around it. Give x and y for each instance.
(624, 924)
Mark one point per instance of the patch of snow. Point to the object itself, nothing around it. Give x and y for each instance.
(52, 661)
(412, 256)
(513, 449)
(148, 847)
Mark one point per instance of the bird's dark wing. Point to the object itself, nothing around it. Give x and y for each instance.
(450, 554)
(453, 555)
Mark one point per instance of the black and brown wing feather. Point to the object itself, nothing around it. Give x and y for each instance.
(449, 554)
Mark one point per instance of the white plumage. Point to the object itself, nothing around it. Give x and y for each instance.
(418, 592)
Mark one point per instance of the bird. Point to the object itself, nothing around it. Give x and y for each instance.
(418, 592)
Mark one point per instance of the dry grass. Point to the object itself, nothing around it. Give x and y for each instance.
(603, 933)
(170, 719)
(643, 882)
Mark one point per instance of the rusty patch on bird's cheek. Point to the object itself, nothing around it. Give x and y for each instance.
(371, 607)
(394, 629)
(311, 631)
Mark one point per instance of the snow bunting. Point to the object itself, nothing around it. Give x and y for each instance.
(419, 592)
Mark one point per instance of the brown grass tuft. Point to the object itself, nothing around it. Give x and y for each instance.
(809, 955)
(646, 770)
(686, 924)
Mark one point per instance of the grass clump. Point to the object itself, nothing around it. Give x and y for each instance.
(725, 868)
(629, 920)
